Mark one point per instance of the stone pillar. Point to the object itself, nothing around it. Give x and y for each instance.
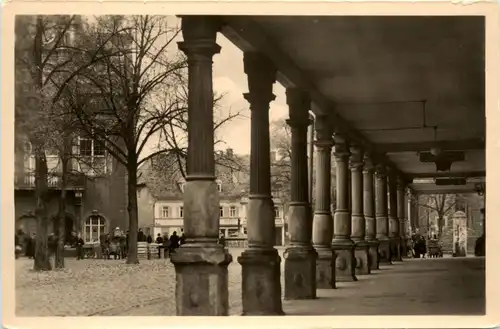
(323, 221)
(401, 216)
(261, 286)
(345, 263)
(357, 215)
(369, 213)
(393, 217)
(300, 256)
(201, 263)
(382, 225)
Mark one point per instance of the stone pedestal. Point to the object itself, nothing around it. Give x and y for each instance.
(201, 275)
(345, 262)
(362, 258)
(300, 273)
(325, 269)
(396, 249)
(373, 255)
(261, 293)
(384, 251)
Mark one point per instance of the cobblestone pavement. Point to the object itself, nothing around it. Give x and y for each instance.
(107, 287)
(99, 287)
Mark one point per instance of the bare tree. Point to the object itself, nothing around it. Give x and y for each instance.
(38, 39)
(440, 204)
(134, 95)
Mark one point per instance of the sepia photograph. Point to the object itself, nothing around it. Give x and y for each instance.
(172, 164)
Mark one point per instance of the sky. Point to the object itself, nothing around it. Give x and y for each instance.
(230, 78)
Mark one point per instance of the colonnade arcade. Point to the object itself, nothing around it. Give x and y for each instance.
(367, 228)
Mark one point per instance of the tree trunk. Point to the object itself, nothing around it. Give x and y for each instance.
(440, 226)
(132, 212)
(42, 259)
(61, 216)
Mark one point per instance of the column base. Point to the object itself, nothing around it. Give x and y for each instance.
(384, 252)
(300, 272)
(261, 285)
(325, 268)
(345, 262)
(373, 256)
(201, 280)
(396, 250)
(362, 258)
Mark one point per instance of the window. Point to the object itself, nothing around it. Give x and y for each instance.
(221, 211)
(92, 155)
(219, 186)
(181, 212)
(245, 230)
(94, 228)
(91, 147)
(165, 212)
(277, 212)
(233, 211)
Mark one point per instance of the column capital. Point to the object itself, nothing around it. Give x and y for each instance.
(369, 165)
(381, 170)
(356, 157)
(401, 183)
(261, 75)
(341, 147)
(200, 35)
(324, 132)
(299, 104)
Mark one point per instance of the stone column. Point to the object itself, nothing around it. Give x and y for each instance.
(369, 213)
(393, 217)
(401, 216)
(357, 215)
(342, 243)
(201, 263)
(381, 215)
(323, 221)
(261, 286)
(300, 256)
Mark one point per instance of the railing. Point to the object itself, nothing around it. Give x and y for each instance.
(27, 181)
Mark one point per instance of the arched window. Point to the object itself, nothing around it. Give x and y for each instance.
(94, 228)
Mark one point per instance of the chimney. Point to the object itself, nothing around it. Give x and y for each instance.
(229, 152)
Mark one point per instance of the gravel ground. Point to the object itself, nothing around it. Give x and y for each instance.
(107, 287)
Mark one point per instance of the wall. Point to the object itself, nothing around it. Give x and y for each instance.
(25, 202)
(145, 205)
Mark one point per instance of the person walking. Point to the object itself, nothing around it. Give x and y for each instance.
(159, 241)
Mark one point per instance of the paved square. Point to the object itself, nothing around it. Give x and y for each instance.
(100, 287)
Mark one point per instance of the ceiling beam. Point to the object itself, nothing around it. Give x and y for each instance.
(463, 145)
(469, 174)
(247, 35)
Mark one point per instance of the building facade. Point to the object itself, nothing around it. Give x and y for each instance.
(160, 199)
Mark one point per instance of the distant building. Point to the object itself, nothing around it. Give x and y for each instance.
(160, 198)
